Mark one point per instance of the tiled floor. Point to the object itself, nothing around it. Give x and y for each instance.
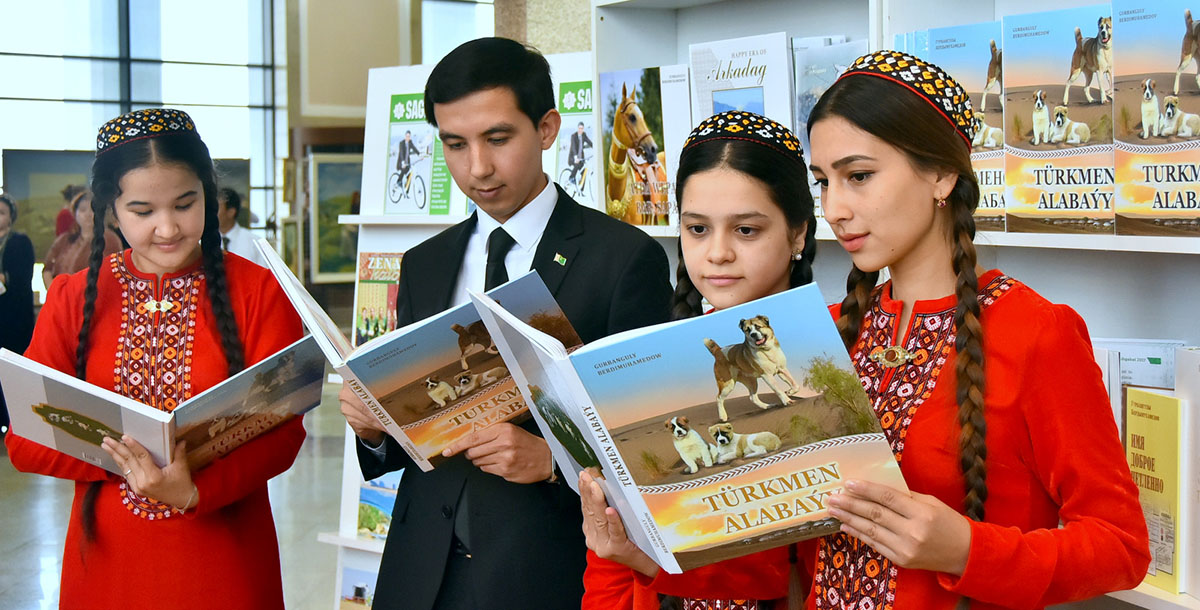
(34, 510)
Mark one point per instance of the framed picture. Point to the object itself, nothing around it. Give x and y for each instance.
(38, 181)
(334, 181)
(289, 245)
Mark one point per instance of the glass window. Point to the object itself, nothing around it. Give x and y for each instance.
(174, 83)
(213, 31)
(56, 78)
(60, 27)
(445, 24)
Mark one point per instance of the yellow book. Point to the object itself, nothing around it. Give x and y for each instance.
(1153, 428)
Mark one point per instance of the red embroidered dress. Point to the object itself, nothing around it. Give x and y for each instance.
(157, 341)
(1054, 454)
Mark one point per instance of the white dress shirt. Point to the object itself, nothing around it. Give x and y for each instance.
(241, 243)
(525, 227)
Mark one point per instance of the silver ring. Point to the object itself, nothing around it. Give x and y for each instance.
(128, 472)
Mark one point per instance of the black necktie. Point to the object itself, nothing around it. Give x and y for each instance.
(498, 245)
(224, 243)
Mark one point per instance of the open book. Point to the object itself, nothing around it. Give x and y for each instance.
(73, 416)
(700, 465)
(436, 380)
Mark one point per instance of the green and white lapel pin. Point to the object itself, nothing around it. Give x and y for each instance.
(560, 259)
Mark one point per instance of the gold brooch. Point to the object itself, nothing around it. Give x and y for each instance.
(163, 306)
(893, 356)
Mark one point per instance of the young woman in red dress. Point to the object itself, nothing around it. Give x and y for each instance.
(989, 395)
(746, 232)
(161, 322)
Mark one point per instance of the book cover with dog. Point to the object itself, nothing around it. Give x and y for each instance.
(72, 416)
(1058, 153)
(645, 116)
(751, 73)
(714, 437)
(975, 56)
(437, 380)
(375, 296)
(1157, 99)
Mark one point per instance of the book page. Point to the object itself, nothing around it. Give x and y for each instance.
(443, 377)
(277, 388)
(72, 416)
(335, 345)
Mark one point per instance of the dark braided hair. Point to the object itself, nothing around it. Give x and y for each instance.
(924, 135)
(110, 166)
(787, 184)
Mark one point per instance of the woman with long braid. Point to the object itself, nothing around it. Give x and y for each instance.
(747, 232)
(160, 322)
(988, 393)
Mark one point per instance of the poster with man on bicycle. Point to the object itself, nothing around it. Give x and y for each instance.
(412, 145)
(576, 137)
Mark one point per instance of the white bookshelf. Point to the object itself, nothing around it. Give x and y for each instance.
(1153, 598)
(400, 220)
(1123, 286)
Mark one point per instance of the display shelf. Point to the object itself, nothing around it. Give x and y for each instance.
(399, 219)
(1153, 598)
(370, 546)
(653, 4)
(1111, 243)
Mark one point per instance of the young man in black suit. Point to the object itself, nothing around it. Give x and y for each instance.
(493, 527)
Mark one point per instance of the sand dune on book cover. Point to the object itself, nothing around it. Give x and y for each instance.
(728, 468)
(447, 379)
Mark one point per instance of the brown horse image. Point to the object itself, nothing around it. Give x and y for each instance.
(637, 178)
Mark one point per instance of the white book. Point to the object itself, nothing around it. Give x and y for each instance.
(72, 416)
(752, 73)
(1187, 387)
(1144, 362)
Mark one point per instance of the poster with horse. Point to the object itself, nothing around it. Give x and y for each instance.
(646, 117)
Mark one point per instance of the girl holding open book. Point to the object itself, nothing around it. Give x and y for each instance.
(162, 321)
(746, 232)
(988, 393)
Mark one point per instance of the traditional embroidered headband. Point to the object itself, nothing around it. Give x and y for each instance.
(750, 127)
(142, 124)
(930, 82)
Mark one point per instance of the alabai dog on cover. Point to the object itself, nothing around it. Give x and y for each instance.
(974, 55)
(1058, 153)
(1156, 106)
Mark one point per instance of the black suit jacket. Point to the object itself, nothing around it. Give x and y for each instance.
(526, 540)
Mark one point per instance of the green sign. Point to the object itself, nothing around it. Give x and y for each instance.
(576, 97)
(408, 107)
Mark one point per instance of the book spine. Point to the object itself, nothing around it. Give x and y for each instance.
(380, 414)
(625, 484)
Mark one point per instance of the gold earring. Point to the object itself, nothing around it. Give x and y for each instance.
(941, 202)
(797, 254)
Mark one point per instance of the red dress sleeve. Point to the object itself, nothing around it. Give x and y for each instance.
(55, 336)
(1102, 544)
(608, 585)
(267, 324)
(762, 575)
